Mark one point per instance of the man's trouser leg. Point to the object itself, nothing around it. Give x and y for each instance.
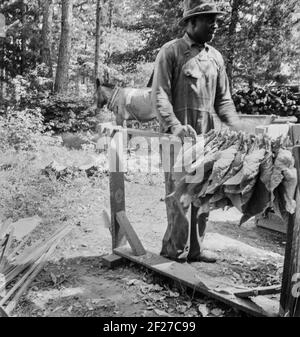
(198, 228)
(183, 239)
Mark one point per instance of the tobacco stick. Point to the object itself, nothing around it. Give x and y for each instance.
(36, 270)
(6, 248)
(13, 274)
(17, 270)
(37, 266)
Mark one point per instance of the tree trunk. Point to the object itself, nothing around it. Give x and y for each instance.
(108, 51)
(98, 39)
(111, 6)
(2, 69)
(62, 71)
(232, 39)
(47, 35)
(23, 38)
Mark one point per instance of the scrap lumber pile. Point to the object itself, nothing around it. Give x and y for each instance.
(274, 101)
(20, 264)
(226, 169)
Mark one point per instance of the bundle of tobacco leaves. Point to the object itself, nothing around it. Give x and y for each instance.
(251, 173)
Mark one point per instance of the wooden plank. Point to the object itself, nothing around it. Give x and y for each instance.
(204, 284)
(272, 222)
(274, 130)
(289, 302)
(108, 128)
(6, 249)
(12, 274)
(112, 261)
(295, 134)
(3, 313)
(117, 189)
(258, 292)
(23, 284)
(130, 234)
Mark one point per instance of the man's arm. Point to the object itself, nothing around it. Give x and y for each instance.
(162, 89)
(224, 105)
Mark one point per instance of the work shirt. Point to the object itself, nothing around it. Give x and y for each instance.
(190, 84)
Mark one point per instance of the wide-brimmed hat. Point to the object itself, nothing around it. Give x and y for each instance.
(199, 7)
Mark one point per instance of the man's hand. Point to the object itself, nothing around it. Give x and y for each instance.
(183, 131)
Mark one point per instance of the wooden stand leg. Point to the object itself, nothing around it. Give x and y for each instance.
(117, 188)
(289, 303)
(117, 197)
(112, 261)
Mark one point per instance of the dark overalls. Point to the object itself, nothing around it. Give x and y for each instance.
(190, 84)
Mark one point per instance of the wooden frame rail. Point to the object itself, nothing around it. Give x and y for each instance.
(251, 301)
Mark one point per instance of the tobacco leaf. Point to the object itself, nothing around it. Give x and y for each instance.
(290, 185)
(283, 161)
(221, 167)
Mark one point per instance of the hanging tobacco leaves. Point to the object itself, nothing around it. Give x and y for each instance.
(248, 172)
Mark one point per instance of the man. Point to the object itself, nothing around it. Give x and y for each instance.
(189, 84)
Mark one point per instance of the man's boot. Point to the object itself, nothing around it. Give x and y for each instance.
(198, 228)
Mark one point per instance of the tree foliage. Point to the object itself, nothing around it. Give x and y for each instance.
(258, 39)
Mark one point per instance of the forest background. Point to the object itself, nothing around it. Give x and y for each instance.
(53, 50)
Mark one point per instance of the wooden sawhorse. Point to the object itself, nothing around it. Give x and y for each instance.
(250, 301)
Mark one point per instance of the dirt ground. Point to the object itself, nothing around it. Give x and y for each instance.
(76, 284)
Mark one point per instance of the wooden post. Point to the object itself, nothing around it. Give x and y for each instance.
(117, 187)
(289, 302)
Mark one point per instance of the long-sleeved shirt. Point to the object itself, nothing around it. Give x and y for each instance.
(190, 84)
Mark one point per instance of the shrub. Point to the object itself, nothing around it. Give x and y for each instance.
(23, 130)
(68, 113)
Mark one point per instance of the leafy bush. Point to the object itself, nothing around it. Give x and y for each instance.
(23, 130)
(66, 113)
(63, 113)
(31, 87)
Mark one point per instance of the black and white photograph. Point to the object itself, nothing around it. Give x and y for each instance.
(149, 162)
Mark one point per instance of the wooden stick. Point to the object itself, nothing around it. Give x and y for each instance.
(27, 279)
(117, 192)
(139, 133)
(20, 282)
(5, 227)
(6, 249)
(289, 302)
(258, 291)
(19, 247)
(46, 247)
(36, 250)
(130, 234)
(13, 274)
(34, 271)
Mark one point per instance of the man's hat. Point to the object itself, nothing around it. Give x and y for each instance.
(199, 7)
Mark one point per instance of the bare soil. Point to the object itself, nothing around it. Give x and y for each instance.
(76, 284)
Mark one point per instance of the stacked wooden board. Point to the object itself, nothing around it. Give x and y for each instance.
(20, 264)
